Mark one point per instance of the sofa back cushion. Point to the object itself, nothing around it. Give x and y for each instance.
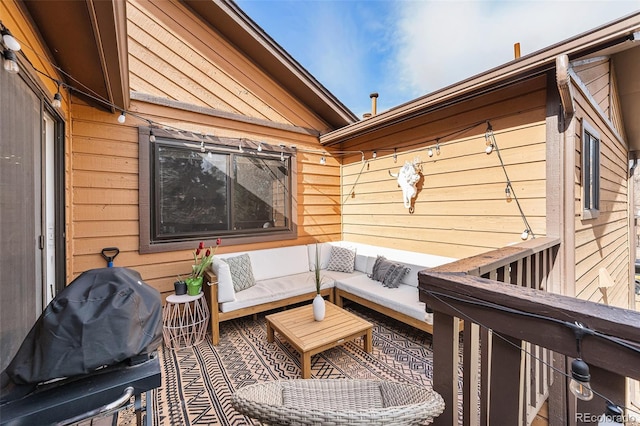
(278, 262)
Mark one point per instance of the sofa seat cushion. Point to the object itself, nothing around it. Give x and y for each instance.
(274, 289)
(403, 299)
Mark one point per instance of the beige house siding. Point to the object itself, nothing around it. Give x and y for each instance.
(602, 245)
(104, 192)
(461, 208)
(175, 55)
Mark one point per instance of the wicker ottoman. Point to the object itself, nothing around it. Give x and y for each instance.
(338, 402)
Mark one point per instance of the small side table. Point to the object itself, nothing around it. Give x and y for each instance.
(184, 320)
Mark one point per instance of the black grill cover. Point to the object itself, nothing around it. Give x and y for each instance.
(105, 316)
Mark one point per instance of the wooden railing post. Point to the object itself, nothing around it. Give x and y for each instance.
(506, 397)
(446, 330)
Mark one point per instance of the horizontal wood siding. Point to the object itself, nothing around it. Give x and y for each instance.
(175, 55)
(599, 78)
(602, 243)
(461, 208)
(104, 190)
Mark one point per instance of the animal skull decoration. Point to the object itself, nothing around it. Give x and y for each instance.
(408, 177)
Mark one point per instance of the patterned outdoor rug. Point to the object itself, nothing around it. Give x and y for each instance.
(197, 382)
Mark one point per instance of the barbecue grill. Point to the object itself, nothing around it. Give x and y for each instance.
(92, 350)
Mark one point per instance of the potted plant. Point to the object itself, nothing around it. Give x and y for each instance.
(318, 301)
(194, 281)
(180, 286)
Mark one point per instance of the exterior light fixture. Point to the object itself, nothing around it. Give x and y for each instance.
(122, 118)
(10, 62)
(57, 100)
(489, 149)
(525, 234)
(9, 40)
(612, 416)
(430, 152)
(152, 137)
(323, 160)
(580, 377)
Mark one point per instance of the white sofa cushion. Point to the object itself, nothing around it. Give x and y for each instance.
(279, 262)
(226, 293)
(403, 299)
(275, 289)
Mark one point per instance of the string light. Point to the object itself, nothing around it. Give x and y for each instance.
(152, 137)
(374, 155)
(323, 160)
(9, 40)
(122, 117)
(430, 152)
(580, 377)
(362, 158)
(57, 98)
(240, 147)
(395, 155)
(10, 62)
(259, 147)
(437, 149)
(507, 191)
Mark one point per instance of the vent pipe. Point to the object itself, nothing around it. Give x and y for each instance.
(374, 101)
(516, 50)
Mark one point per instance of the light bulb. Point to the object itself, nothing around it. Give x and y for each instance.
(259, 146)
(437, 149)
(374, 154)
(202, 149)
(57, 100)
(240, 148)
(612, 416)
(9, 40)
(489, 149)
(525, 234)
(430, 152)
(122, 118)
(579, 384)
(395, 155)
(152, 137)
(507, 192)
(362, 158)
(10, 62)
(323, 160)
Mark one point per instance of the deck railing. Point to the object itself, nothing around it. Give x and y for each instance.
(509, 333)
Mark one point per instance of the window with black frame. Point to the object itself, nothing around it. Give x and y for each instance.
(590, 172)
(217, 191)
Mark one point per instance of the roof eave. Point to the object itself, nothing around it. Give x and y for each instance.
(529, 65)
(228, 19)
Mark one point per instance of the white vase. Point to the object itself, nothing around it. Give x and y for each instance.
(318, 308)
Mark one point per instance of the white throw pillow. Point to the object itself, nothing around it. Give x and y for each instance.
(342, 259)
(226, 293)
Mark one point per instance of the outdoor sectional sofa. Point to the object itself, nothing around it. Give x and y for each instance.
(284, 276)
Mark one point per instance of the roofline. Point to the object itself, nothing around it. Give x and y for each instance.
(235, 25)
(604, 36)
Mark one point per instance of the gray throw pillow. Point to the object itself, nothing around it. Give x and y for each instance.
(241, 272)
(393, 277)
(341, 260)
(382, 267)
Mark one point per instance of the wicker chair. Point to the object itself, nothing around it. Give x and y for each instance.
(338, 402)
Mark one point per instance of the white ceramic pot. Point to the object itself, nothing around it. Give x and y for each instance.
(318, 308)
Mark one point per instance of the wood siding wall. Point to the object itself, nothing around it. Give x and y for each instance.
(175, 55)
(104, 153)
(461, 208)
(602, 243)
(599, 78)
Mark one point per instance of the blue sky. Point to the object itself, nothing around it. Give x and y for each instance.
(406, 49)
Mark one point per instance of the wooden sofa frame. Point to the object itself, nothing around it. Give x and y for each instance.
(210, 289)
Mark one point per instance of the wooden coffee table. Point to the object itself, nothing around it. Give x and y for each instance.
(310, 337)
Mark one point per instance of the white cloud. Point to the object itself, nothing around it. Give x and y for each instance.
(443, 42)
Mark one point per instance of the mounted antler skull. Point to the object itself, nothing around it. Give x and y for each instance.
(408, 177)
